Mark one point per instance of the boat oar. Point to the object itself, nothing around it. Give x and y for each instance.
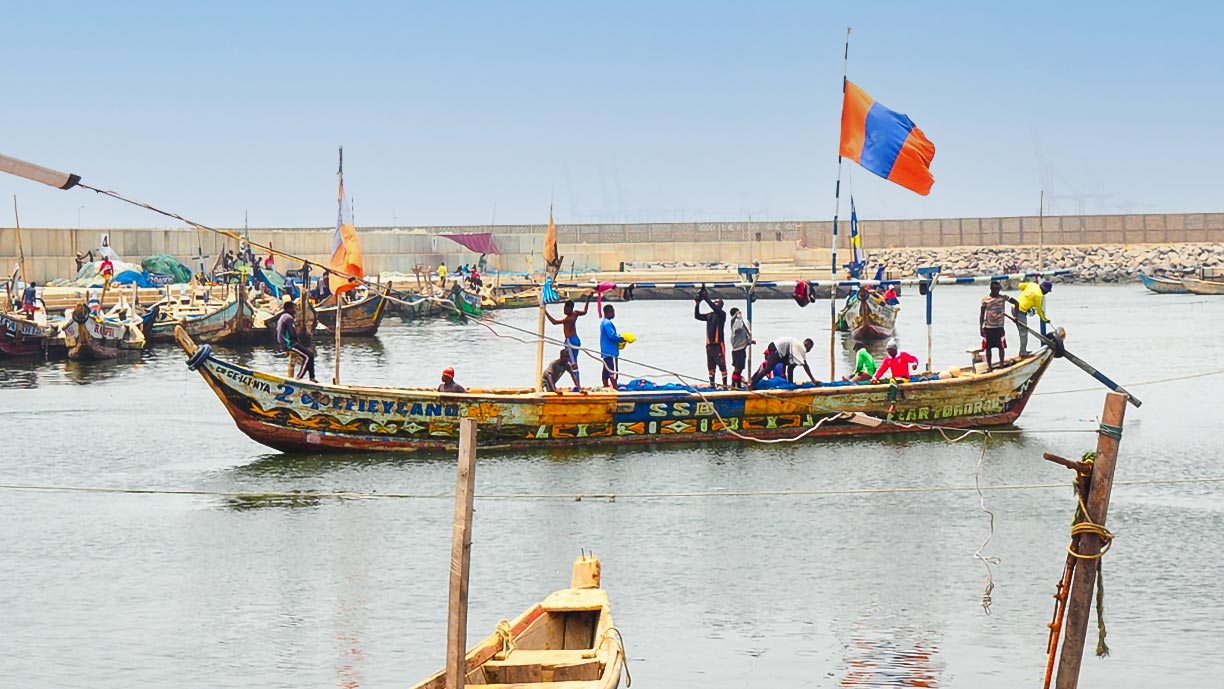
(1055, 343)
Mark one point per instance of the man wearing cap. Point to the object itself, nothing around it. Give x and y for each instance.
(448, 381)
(715, 320)
(1032, 299)
(897, 364)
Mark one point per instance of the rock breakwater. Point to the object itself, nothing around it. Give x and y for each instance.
(1094, 263)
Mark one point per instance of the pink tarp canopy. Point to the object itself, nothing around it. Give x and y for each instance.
(481, 243)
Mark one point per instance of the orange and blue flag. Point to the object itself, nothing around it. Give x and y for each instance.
(346, 250)
(885, 142)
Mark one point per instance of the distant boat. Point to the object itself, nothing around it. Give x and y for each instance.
(89, 338)
(1163, 285)
(867, 317)
(225, 322)
(566, 641)
(361, 316)
(1203, 286)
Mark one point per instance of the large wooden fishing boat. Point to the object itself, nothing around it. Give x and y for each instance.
(21, 336)
(88, 338)
(361, 317)
(226, 322)
(1198, 286)
(1163, 285)
(289, 414)
(868, 318)
(566, 641)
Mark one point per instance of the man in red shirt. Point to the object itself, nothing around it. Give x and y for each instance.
(896, 364)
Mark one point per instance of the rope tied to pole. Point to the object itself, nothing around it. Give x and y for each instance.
(1107, 430)
(1082, 526)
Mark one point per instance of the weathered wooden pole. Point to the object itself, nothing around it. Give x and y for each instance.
(1079, 603)
(461, 558)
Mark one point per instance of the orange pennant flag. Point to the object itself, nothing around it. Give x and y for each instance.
(346, 251)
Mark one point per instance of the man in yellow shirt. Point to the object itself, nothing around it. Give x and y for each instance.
(1032, 299)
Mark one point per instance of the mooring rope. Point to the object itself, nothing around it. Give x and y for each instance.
(581, 495)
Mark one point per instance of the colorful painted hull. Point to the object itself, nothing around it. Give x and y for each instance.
(289, 414)
(868, 320)
(360, 318)
(100, 339)
(1161, 285)
(1203, 286)
(228, 324)
(20, 336)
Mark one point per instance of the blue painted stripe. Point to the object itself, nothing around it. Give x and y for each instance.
(885, 133)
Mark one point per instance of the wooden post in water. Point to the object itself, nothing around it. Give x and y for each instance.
(461, 558)
(1079, 603)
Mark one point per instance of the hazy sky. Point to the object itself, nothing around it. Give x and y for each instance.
(619, 111)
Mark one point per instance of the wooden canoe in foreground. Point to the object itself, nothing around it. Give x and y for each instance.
(566, 641)
(290, 415)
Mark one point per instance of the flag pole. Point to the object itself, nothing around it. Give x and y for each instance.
(339, 295)
(836, 211)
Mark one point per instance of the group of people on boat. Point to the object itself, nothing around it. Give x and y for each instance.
(993, 315)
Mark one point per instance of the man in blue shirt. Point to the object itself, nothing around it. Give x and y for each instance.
(609, 346)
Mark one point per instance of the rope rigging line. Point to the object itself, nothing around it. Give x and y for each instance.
(1158, 381)
(989, 561)
(579, 496)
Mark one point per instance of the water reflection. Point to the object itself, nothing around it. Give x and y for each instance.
(900, 657)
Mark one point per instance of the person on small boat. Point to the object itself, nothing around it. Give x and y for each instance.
(990, 321)
(1032, 300)
(610, 343)
(716, 321)
(741, 337)
(890, 296)
(442, 275)
(448, 382)
(897, 364)
(553, 372)
(789, 351)
(28, 298)
(291, 343)
(864, 364)
(569, 326)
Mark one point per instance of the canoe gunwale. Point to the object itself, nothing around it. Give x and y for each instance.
(290, 415)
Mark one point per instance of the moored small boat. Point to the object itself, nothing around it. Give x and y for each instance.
(89, 338)
(225, 322)
(868, 318)
(361, 317)
(566, 641)
(1163, 285)
(24, 336)
(1198, 286)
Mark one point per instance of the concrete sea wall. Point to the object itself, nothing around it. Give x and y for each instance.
(49, 251)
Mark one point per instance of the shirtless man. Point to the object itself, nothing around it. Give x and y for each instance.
(569, 325)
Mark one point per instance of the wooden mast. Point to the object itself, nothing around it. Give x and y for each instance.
(339, 295)
(1088, 545)
(836, 209)
(20, 250)
(461, 558)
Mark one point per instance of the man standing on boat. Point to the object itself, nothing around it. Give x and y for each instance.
(29, 296)
(741, 337)
(287, 337)
(569, 326)
(715, 320)
(610, 343)
(990, 321)
(1032, 300)
(790, 352)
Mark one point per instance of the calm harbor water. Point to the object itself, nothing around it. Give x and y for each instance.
(865, 590)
